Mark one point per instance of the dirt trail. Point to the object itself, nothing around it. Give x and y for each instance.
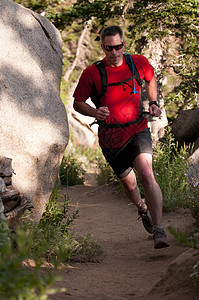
(130, 268)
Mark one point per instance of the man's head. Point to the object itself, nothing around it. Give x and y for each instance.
(111, 31)
(112, 43)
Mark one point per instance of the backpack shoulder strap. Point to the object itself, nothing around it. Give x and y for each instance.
(104, 82)
(133, 68)
(103, 75)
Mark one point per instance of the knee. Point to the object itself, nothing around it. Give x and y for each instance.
(129, 185)
(146, 177)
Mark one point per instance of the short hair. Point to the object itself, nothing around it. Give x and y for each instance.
(111, 31)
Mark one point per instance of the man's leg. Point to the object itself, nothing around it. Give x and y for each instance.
(153, 197)
(131, 189)
(153, 194)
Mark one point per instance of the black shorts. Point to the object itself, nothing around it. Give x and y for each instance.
(121, 160)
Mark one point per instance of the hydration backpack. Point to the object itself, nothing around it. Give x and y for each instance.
(104, 84)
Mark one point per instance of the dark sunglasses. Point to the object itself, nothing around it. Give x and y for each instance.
(110, 48)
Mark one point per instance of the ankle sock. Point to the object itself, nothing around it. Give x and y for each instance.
(144, 208)
(156, 227)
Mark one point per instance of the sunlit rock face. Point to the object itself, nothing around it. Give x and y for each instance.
(33, 120)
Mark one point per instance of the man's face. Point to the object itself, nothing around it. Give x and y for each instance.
(114, 57)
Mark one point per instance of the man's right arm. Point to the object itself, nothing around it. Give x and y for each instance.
(87, 110)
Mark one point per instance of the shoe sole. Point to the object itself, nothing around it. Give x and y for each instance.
(160, 243)
(149, 230)
(147, 227)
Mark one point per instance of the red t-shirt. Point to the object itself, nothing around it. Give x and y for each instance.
(124, 106)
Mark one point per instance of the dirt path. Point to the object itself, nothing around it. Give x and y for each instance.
(130, 268)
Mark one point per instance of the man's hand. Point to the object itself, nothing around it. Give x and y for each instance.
(154, 110)
(101, 113)
(85, 109)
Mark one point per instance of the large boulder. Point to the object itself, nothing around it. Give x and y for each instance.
(185, 128)
(33, 119)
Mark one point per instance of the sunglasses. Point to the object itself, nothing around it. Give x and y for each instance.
(110, 48)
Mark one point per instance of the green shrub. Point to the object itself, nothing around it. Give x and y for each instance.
(106, 174)
(91, 153)
(71, 171)
(18, 282)
(49, 241)
(52, 239)
(170, 167)
(87, 249)
(56, 212)
(193, 203)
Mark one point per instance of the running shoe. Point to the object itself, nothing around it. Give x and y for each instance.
(146, 220)
(160, 238)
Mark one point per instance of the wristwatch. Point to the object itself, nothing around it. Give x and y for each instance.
(154, 102)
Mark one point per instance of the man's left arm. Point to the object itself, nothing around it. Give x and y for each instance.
(151, 88)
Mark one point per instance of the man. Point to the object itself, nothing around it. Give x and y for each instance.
(123, 133)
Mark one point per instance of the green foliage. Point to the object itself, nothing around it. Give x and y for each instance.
(71, 171)
(179, 19)
(37, 5)
(106, 174)
(56, 212)
(18, 282)
(49, 241)
(91, 153)
(88, 249)
(84, 10)
(170, 169)
(191, 242)
(193, 202)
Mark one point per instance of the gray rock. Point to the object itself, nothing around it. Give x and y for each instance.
(2, 186)
(33, 120)
(185, 128)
